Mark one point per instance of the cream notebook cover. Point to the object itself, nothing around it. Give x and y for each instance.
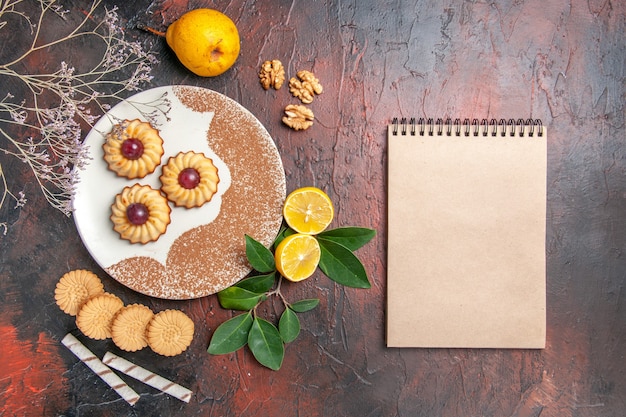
(466, 234)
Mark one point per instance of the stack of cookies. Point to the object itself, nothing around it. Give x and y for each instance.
(101, 315)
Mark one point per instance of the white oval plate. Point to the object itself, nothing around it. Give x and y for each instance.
(203, 249)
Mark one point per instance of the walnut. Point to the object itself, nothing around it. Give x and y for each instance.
(305, 87)
(272, 74)
(298, 117)
(308, 77)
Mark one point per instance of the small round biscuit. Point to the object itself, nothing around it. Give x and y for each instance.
(170, 332)
(128, 329)
(95, 317)
(74, 288)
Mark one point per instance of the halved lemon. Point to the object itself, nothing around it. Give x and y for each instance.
(308, 210)
(297, 256)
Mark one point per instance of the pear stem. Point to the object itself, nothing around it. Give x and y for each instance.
(143, 27)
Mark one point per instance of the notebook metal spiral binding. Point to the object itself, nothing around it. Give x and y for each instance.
(466, 127)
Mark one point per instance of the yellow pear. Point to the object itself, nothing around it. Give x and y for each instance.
(205, 41)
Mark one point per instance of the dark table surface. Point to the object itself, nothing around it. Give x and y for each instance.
(561, 62)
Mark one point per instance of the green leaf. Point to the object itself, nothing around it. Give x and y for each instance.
(258, 284)
(231, 335)
(341, 265)
(260, 257)
(284, 232)
(352, 238)
(236, 298)
(289, 326)
(304, 305)
(266, 344)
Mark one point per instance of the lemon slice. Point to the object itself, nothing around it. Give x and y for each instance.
(308, 210)
(297, 256)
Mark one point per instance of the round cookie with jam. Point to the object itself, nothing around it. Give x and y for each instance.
(189, 179)
(133, 149)
(140, 214)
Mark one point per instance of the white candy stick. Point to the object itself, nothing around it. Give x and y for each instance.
(100, 369)
(147, 377)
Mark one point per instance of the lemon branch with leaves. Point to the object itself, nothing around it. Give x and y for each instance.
(298, 251)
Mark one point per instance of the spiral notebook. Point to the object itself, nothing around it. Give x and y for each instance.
(466, 233)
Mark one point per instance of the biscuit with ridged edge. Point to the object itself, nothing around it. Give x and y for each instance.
(144, 136)
(128, 330)
(74, 288)
(157, 211)
(170, 332)
(203, 184)
(95, 317)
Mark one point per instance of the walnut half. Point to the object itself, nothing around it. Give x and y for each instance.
(305, 87)
(298, 117)
(272, 74)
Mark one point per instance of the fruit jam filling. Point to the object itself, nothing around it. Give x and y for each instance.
(132, 148)
(137, 213)
(189, 178)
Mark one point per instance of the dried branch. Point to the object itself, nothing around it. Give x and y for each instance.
(54, 106)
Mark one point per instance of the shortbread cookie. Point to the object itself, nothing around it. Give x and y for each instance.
(128, 329)
(95, 317)
(170, 332)
(74, 288)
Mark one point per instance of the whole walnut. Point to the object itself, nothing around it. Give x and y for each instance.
(298, 117)
(272, 74)
(305, 87)
(309, 78)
